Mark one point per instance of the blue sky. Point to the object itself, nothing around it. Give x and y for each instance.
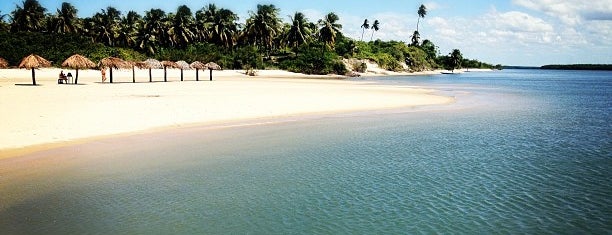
(510, 32)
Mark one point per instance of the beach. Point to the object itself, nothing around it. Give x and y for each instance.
(61, 114)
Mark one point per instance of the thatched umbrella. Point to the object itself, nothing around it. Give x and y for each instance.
(167, 63)
(77, 62)
(3, 63)
(152, 64)
(33, 62)
(113, 62)
(212, 66)
(134, 65)
(197, 65)
(182, 65)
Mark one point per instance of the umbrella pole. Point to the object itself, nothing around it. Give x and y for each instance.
(76, 79)
(33, 77)
(181, 75)
(165, 75)
(150, 77)
(111, 74)
(133, 75)
(210, 74)
(197, 79)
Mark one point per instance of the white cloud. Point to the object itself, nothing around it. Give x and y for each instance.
(431, 6)
(571, 12)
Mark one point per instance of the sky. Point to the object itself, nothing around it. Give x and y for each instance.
(508, 32)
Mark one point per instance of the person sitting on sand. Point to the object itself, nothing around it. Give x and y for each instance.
(103, 71)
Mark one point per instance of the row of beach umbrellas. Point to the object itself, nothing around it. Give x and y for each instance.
(77, 62)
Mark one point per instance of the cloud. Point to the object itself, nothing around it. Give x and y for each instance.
(431, 6)
(571, 12)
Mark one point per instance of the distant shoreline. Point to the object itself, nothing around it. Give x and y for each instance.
(578, 67)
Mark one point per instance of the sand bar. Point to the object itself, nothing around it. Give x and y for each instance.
(58, 113)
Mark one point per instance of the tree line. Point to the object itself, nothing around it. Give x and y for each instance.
(264, 40)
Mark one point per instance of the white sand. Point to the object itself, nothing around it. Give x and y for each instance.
(52, 113)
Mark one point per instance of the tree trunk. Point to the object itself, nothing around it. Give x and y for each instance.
(33, 77)
(210, 74)
(150, 77)
(111, 74)
(133, 75)
(76, 78)
(197, 78)
(165, 75)
(181, 75)
(418, 21)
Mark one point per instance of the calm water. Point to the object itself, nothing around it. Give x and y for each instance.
(522, 151)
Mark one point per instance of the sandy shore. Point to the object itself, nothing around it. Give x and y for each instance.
(56, 113)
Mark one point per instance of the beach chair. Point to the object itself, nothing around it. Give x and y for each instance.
(69, 77)
(62, 80)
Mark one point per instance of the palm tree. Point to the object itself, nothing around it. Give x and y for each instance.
(105, 26)
(155, 30)
(218, 25)
(330, 28)
(298, 32)
(422, 12)
(455, 59)
(375, 27)
(130, 26)
(364, 26)
(66, 20)
(415, 38)
(263, 26)
(181, 31)
(30, 17)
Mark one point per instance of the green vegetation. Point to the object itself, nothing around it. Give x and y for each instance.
(213, 34)
(579, 66)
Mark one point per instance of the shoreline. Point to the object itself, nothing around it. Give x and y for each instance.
(53, 115)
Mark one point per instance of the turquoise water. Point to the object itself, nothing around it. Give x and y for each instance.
(522, 151)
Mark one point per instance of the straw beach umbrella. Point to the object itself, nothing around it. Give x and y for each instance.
(166, 64)
(152, 64)
(182, 65)
(134, 65)
(33, 62)
(113, 62)
(3, 63)
(212, 66)
(77, 62)
(197, 65)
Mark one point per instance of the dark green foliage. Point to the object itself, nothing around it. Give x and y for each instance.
(416, 59)
(247, 57)
(311, 59)
(57, 47)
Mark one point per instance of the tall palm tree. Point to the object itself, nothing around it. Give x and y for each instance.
(131, 24)
(263, 26)
(375, 27)
(181, 31)
(330, 28)
(421, 12)
(415, 38)
(66, 20)
(105, 26)
(156, 25)
(30, 17)
(298, 32)
(364, 26)
(455, 59)
(219, 25)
